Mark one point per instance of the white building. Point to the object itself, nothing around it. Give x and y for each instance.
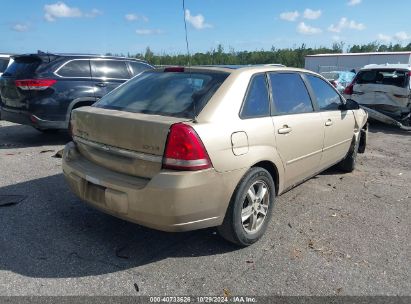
(349, 61)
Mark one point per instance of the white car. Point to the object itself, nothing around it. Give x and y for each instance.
(385, 91)
(5, 61)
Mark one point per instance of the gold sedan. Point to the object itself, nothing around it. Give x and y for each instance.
(179, 149)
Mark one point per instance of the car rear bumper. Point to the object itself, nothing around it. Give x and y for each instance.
(26, 118)
(170, 201)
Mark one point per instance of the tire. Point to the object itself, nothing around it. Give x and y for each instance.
(350, 160)
(247, 232)
(363, 139)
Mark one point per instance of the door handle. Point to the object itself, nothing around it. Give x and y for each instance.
(285, 130)
(101, 84)
(329, 123)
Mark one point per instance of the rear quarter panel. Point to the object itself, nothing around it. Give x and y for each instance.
(220, 119)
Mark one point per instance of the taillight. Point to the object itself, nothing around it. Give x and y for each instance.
(184, 150)
(35, 84)
(33, 119)
(349, 90)
(174, 69)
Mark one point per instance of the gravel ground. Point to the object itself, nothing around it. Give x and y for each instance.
(345, 234)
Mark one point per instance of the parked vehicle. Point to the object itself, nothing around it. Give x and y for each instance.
(42, 89)
(5, 61)
(385, 92)
(178, 149)
(339, 79)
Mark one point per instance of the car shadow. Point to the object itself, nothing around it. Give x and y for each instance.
(334, 170)
(52, 234)
(20, 136)
(379, 127)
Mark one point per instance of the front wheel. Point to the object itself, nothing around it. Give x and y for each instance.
(350, 160)
(250, 208)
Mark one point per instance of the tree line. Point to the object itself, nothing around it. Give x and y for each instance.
(293, 57)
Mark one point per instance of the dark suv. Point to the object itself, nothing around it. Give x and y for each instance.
(42, 89)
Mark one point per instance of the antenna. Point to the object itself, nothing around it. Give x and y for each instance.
(185, 28)
(188, 60)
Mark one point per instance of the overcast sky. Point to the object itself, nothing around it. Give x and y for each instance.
(129, 26)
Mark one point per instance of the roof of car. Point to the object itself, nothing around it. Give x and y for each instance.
(240, 66)
(337, 72)
(79, 55)
(360, 54)
(388, 66)
(246, 68)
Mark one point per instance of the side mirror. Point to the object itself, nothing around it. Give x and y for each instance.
(350, 105)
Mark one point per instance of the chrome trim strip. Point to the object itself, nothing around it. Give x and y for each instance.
(92, 59)
(304, 156)
(119, 151)
(199, 221)
(316, 152)
(185, 163)
(337, 144)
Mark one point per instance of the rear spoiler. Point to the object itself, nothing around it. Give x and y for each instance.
(44, 57)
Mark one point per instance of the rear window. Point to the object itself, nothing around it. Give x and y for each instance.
(165, 93)
(23, 67)
(137, 67)
(398, 78)
(3, 64)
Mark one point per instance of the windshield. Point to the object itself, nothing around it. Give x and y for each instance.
(398, 78)
(175, 94)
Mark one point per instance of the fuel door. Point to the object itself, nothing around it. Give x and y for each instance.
(239, 143)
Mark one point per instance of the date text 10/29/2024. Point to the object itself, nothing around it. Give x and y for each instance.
(203, 299)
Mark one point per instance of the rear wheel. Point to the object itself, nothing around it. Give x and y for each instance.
(250, 208)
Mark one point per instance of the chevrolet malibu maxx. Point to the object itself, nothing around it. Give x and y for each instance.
(179, 149)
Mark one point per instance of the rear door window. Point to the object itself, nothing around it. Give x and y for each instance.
(257, 102)
(327, 98)
(290, 95)
(75, 68)
(394, 77)
(113, 69)
(137, 67)
(179, 94)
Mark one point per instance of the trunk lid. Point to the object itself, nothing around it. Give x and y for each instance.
(379, 94)
(130, 143)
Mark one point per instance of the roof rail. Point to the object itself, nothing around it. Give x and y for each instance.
(275, 65)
